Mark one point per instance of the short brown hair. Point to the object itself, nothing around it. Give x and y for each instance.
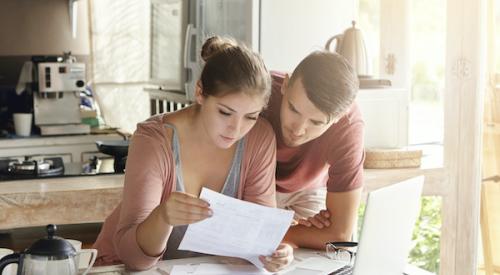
(230, 67)
(329, 80)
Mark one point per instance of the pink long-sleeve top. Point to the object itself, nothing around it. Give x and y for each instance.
(150, 179)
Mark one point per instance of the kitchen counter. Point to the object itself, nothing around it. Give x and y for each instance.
(67, 200)
(89, 199)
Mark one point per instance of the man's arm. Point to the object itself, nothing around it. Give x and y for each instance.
(343, 208)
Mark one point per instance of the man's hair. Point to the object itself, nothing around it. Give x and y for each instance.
(329, 80)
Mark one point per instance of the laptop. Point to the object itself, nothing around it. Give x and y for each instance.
(389, 220)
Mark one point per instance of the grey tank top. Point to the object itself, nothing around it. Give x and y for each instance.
(230, 189)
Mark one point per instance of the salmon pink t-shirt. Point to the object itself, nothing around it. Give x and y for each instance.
(334, 159)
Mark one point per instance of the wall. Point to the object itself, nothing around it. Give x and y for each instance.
(41, 27)
(38, 27)
(291, 29)
(120, 60)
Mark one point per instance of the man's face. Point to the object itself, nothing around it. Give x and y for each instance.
(301, 121)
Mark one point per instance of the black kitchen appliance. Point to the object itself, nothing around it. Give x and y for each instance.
(35, 167)
(31, 168)
(116, 148)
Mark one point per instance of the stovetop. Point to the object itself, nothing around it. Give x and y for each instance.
(93, 167)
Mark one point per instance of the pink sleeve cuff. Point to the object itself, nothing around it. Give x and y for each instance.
(131, 254)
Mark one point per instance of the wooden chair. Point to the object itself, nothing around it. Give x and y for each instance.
(490, 224)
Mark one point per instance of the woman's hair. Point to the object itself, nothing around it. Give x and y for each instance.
(230, 67)
(329, 80)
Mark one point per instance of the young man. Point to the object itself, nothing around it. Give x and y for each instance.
(319, 132)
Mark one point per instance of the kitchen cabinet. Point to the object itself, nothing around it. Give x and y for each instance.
(385, 113)
(77, 148)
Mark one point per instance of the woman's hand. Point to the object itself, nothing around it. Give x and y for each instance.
(320, 220)
(282, 257)
(182, 208)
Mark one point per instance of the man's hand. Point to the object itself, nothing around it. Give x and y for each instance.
(320, 220)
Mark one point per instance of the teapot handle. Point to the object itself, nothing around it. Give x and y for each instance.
(10, 259)
(338, 36)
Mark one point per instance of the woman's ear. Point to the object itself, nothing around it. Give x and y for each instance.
(285, 84)
(198, 93)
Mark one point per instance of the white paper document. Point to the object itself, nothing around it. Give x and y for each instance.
(216, 269)
(237, 229)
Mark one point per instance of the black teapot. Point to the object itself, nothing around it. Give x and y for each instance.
(51, 256)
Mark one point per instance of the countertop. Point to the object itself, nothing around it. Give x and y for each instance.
(67, 200)
(56, 140)
(85, 199)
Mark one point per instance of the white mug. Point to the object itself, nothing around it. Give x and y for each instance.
(83, 261)
(10, 269)
(22, 124)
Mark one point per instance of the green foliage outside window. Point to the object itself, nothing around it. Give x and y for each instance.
(426, 236)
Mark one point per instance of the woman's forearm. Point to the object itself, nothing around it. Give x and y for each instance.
(153, 233)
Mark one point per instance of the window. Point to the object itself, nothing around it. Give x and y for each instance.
(427, 55)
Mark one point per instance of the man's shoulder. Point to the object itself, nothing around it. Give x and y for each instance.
(352, 118)
(351, 122)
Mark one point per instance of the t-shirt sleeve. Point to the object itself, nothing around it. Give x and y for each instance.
(260, 183)
(346, 159)
(143, 189)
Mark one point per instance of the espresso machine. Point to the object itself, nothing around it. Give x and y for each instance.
(56, 99)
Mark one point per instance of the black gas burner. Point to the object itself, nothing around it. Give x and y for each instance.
(31, 168)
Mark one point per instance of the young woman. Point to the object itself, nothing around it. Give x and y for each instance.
(219, 143)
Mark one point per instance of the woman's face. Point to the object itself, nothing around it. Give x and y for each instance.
(228, 118)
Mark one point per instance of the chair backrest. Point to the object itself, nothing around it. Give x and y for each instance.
(490, 225)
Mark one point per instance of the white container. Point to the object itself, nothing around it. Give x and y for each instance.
(83, 262)
(22, 124)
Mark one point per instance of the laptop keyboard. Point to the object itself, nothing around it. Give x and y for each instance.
(345, 270)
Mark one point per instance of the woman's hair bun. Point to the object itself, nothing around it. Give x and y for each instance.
(216, 44)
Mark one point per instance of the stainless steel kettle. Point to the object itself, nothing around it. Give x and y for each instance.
(351, 45)
(50, 256)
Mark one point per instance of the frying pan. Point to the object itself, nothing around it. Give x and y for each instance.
(116, 148)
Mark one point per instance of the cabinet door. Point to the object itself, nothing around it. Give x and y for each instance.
(385, 112)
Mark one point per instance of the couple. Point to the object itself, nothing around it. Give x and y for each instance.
(222, 142)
